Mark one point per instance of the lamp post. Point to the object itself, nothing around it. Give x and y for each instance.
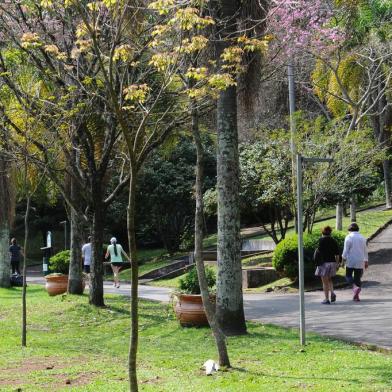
(293, 130)
(301, 281)
(65, 233)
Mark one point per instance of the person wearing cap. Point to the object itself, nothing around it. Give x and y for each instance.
(355, 255)
(115, 251)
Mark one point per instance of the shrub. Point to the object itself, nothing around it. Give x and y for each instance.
(60, 262)
(285, 259)
(189, 284)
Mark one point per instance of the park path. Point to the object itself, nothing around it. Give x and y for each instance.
(367, 322)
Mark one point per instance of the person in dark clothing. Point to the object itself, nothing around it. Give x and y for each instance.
(15, 254)
(328, 259)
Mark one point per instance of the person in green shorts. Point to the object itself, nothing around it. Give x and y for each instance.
(116, 252)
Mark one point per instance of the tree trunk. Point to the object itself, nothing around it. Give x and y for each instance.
(229, 301)
(96, 276)
(353, 209)
(5, 264)
(199, 225)
(339, 216)
(24, 305)
(75, 277)
(134, 336)
(6, 211)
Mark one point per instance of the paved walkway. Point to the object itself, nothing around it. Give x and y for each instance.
(369, 321)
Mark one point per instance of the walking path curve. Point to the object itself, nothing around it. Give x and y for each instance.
(368, 322)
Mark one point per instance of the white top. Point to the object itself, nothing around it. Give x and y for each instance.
(86, 253)
(355, 250)
(113, 257)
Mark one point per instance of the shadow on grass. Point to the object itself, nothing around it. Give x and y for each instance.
(14, 292)
(300, 378)
(382, 372)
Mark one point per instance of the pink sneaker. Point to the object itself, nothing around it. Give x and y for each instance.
(356, 291)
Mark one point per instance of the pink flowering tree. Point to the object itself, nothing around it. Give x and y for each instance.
(305, 26)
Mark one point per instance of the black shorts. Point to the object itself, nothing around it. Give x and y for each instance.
(86, 269)
(117, 264)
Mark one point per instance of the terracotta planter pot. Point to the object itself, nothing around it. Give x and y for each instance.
(56, 284)
(190, 311)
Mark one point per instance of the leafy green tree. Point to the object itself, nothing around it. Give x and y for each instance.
(165, 192)
(266, 192)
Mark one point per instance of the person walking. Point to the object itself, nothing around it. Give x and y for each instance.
(327, 257)
(115, 251)
(15, 254)
(355, 255)
(86, 255)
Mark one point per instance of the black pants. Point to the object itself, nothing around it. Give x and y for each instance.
(15, 266)
(358, 272)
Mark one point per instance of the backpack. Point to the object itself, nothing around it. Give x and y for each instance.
(16, 280)
(318, 257)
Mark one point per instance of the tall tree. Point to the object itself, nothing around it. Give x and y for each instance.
(6, 215)
(219, 336)
(229, 302)
(77, 135)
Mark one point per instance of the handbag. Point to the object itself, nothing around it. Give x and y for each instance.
(318, 257)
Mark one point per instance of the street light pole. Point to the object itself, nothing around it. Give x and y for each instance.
(293, 131)
(300, 252)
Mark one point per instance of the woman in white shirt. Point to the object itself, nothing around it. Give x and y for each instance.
(355, 255)
(115, 251)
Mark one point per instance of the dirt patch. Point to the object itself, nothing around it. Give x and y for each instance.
(29, 365)
(78, 379)
(22, 373)
(154, 380)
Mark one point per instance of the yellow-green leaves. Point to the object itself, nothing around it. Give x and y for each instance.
(123, 53)
(31, 41)
(195, 44)
(188, 19)
(55, 52)
(221, 81)
(46, 3)
(69, 3)
(162, 6)
(197, 74)
(162, 61)
(137, 92)
(254, 44)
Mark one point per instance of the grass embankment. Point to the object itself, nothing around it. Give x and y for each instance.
(72, 346)
(368, 221)
(149, 259)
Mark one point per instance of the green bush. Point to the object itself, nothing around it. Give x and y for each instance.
(285, 259)
(189, 284)
(60, 262)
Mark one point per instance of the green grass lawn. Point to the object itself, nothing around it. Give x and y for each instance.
(72, 346)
